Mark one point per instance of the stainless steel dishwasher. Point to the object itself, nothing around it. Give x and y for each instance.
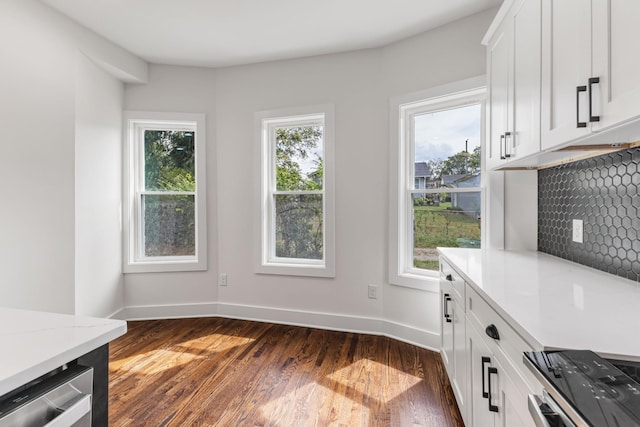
(61, 399)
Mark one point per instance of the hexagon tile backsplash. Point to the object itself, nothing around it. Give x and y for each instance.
(603, 192)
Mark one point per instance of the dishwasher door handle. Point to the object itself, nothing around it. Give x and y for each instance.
(72, 411)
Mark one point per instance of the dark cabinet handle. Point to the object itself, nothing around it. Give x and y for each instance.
(449, 277)
(592, 81)
(492, 331)
(492, 370)
(502, 157)
(507, 137)
(579, 124)
(447, 316)
(485, 394)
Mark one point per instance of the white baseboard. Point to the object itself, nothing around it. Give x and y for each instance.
(336, 322)
(170, 311)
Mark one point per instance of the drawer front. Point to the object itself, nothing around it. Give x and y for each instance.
(509, 348)
(457, 282)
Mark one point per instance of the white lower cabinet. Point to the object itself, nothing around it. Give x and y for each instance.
(495, 398)
(461, 360)
(489, 380)
(480, 362)
(454, 354)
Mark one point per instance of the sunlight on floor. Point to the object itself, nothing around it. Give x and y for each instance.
(215, 342)
(374, 375)
(316, 405)
(156, 361)
(362, 381)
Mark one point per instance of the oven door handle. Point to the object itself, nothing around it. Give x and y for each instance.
(534, 409)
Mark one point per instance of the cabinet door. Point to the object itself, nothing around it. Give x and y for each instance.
(513, 405)
(446, 300)
(616, 60)
(498, 58)
(566, 66)
(460, 359)
(527, 25)
(480, 361)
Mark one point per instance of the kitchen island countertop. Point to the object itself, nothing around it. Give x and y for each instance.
(553, 303)
(34, 343)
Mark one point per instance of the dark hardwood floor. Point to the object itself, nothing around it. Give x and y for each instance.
(224, 372)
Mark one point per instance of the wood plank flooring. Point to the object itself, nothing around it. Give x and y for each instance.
(224, 372)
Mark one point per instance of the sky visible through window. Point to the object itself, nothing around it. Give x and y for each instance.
(310, 163)
(441, 134)
(446, 141)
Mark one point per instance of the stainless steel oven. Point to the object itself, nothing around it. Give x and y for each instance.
(547, 413)
(60, 399)
(583, 390)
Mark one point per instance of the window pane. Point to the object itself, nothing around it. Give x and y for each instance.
(169, 225)
(169, 160)
(447, 155)
(299, 158)
(444, 219)
(299, 229)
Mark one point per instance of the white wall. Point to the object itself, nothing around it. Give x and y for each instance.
(36, 165)
(39, 50)
(521, 210)
(59, 118)
(352, 83)
(359, 84)
(446, 54)
(185, 90)
(98, 191)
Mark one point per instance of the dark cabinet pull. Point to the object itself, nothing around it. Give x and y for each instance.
(507, 137)
(578, 122)
(449, 277)
(485, 394)
(502, 157)
(592, 81)
(492, 331)
(447, 316)
(492, 370)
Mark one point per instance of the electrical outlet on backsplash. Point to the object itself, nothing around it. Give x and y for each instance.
(601, 191)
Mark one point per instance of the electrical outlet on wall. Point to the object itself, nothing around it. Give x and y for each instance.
(373, 291)
(578, 232)
(223, 280)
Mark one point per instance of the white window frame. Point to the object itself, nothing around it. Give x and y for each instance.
(265, 260)
(134, 124)
(402, 109)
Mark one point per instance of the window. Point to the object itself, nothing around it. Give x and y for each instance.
(436, 179)
(165, 218)
(296, 187)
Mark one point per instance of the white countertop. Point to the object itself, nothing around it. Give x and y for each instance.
(34, 343)
(553, 303)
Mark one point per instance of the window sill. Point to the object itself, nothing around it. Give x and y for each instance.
(164, 266)
(415, 281)
(305, 270)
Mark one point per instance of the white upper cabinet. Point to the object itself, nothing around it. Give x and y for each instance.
(566, 69)
(498, 60)
(590, 63)
(616, 60)
(513, 60)
(526, 78)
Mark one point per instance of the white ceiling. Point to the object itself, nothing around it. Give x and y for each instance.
(219, 33)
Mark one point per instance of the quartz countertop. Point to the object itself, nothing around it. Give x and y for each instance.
(553, 303)
(34, 343)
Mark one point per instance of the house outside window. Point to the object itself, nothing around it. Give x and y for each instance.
(436, 194)
(165, 187)
(296, 223)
